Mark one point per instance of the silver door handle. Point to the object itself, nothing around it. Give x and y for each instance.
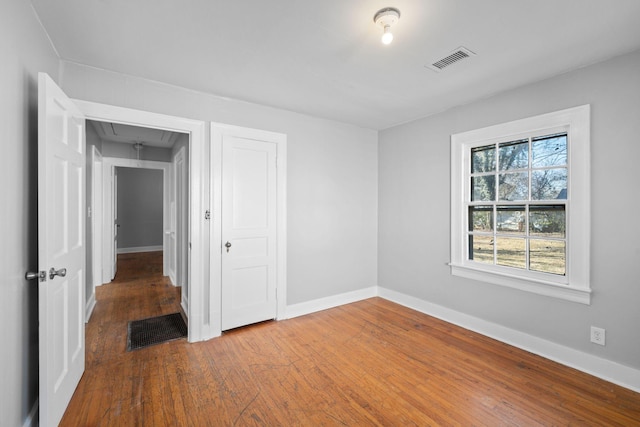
(53, 273)
(227, 245)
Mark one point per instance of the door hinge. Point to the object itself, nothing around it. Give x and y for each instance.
(207, 214)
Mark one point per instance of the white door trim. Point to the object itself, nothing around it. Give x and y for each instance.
(199, 323)
(215, 274)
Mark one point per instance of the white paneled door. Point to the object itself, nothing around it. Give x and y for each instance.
(248, 230)
(116, 225)
(61, 252)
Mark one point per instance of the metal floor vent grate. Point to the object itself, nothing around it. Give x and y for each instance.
(456, 56)
(155, 330)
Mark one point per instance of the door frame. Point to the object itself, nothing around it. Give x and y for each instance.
(217, 131)
(109, 163)
(200, 328)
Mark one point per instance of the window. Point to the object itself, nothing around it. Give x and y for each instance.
(520, 204)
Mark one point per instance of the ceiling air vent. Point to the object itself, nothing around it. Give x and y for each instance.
(456, 56)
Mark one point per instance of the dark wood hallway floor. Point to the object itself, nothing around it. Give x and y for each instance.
(368, 363)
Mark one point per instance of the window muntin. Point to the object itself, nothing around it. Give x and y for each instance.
(512, 229)
(547, 213)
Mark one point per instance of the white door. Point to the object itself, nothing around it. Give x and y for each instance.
(61, 252)
(171, 252)
(183, 214)
(248, 231)
(116, 226)
(181, 210)
(96, 215)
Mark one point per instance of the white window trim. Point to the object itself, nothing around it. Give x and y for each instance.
(577, 287)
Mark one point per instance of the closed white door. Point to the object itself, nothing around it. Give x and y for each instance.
(61, 251)
(248, 231)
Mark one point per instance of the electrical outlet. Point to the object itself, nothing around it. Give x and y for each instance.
(597, 335)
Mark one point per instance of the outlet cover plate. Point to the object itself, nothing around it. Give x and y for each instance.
(597, 335)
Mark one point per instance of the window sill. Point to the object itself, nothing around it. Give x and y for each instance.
(540, 287)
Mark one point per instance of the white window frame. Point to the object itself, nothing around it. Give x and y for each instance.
(575, 285)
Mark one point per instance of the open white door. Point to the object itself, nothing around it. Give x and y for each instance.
(61, 251)
(97, 216)
(181, 216)
(116, 226)
(249, 225)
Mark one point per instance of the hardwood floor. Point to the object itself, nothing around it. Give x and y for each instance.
(368, 363)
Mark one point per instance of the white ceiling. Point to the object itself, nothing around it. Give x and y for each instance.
(325, 58)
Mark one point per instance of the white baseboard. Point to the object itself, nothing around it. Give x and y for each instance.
(602, 368)
(139, 249)
(32, 418)
(89, 307)
(309, 307)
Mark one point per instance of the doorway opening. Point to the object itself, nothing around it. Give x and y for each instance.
(137, 187)
(199, 314)
(139, 210)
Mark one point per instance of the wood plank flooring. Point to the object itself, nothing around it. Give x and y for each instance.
(368, 363)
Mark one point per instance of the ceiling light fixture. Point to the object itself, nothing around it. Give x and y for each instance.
(386, 17)
(138, 146)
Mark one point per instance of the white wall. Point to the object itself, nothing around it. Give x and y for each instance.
(140, 207)
(25, 50)
(332, 176)
(414, 186)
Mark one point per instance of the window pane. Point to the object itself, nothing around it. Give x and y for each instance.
(483, 188)
(483, 159)
(481, 218)
(547, 256)
(511, 252)
(481, 249)
(511, 220)
(549, 151)
(514, 155)
(514, 186)
(549, 221)
(549, 184)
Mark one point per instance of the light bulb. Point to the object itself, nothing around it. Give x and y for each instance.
(387, 36)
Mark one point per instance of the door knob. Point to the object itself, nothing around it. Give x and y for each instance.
(227, 245)
(53, 273)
